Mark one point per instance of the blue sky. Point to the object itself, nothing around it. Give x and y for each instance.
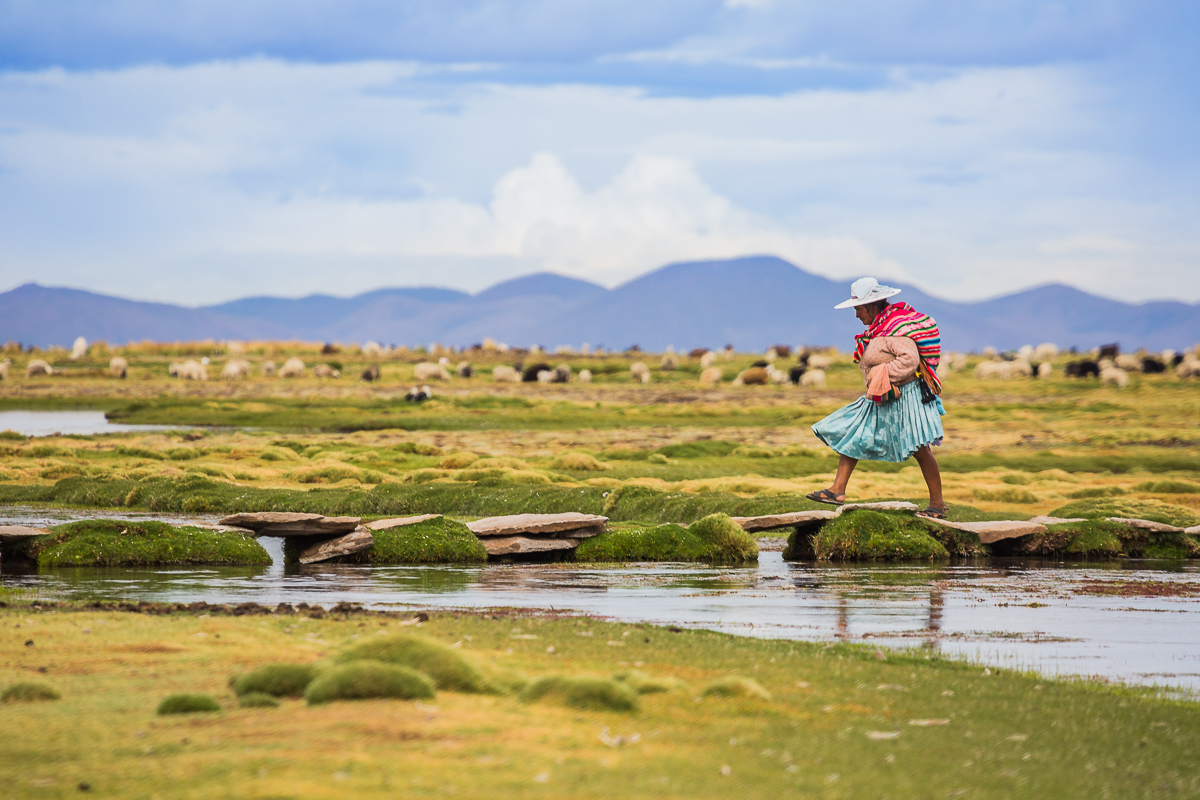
(201, 150)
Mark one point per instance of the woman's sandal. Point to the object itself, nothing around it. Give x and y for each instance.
(827, 497)
(933, 512)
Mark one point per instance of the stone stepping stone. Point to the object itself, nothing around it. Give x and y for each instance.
(1146, 525)
(1194, 530)
(990, 532)
(399, 522)
(581, 533)
(883, 505)
(521, 545)
(793, 519)
(1043, 520)
(534, 524)
(15, 532)
(358, 539)
(291, 523)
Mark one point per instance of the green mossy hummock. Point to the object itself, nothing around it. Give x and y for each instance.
(715, 539)
(123, 543)
(866, 535)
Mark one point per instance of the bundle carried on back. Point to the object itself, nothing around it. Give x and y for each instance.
(901, 319)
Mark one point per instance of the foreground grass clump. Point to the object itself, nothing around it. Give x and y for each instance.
(434, 541)
(642, 683)
(275, 680)
(669, 542)
(723, 540)
(447, 667)
(1130, 508)
(736, 686)
(594, 694)
(257, 700)
(865, 535)
(365, 680)
(111, 543)
(188, 703)
(29, 692)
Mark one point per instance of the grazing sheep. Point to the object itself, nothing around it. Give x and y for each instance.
(79, 349)
(728, 353)
(1114, 377)
(1025, 353)
(777, 376)
(292, 368)
(1045, 369)
(173, 369)
(371, 373)
(38, 367)
(697, 352)
(1109, 350)
(192, 370)
(418, 395)
(530, 374)
(329, 349)
(1153, 366)
(1003, 370)
(428, 371)
(1128, 363)
(668, 362)
(372, 350)
(205, 361)
(707, 359)
(268, 369)
(796, 373)
(755, 376)
(562, 374)
(818, 361)
(118, 367)
(780, 350)
(1082, 369)
(640, 371)
(1106, 363)
(325, 371)
(989, 352)
(4, 369)
(545, 376)
(503, 374)
(1188, 368)
(814, 379)
(585, 376)
(1046, 351)
(464, 369)
(235, 369)
(711, 376)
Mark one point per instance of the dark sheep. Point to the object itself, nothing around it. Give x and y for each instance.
(782, 350)
(1110, 350)
(329, 349)
(697, 352)
(1177, 360)
(530, 374)
(420, 395)
(1153, 366)
(761, 364)
(371, 373)
(802, 359)
(1082, 369)
(796, 373)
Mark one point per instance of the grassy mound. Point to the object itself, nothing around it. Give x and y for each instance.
(579, 462)
(865, 535)
(188, 703)
(28, 692)
(275, 680)
(1153, 510)
(447, 667)
(110, 543)
(735, 686)
(723, 540)
(1098, 539)
(1168, 487)
(595, 694)
(434, 541)
(642, 683)
(667, 542)
(257, 700)
(364, 680)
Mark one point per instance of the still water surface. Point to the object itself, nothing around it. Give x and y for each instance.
(83, 423)
(1014, 615)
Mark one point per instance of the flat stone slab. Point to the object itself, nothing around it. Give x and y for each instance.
(21, 532)
(515, 524)
(1194, 530)
(291, 523)
(399, 522)
(792, 519)
(581, 533)
(1146, 525)
(1043, 520)
(358, 539)
(883, 505)
(994, 531)
(517, 545)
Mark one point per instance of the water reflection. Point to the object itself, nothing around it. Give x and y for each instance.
(82, 423)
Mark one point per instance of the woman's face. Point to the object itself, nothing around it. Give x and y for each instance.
(865, 314)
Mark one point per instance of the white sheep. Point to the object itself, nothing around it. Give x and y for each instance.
(711, 376)
(813, 378)
(173, 369)
(192, 370)
(1004, 370)
(372, 350)
(989, 352)
(1025, 353)
(1045, 369)
(79, 349)
(1188, 368)
(325, 371)
(708, 359)
(545, 376)
(816, 361)
(1046, 351)
(464, 369)
(505, 374)
(428, 371)
(118, 367)
(205, 361)
(668, 362)
(1106, 363)
(4, 369)
(585, 376)
(1129, 363)
(38, 367)
(640, 372)
(234, 369)
(562, 374)
(1114, 377)
(777, 376)
(953, 362)
(292, 368)
(268, 369)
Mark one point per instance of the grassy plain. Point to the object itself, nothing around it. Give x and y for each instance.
(841, 721)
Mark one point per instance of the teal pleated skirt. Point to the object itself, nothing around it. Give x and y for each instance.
(890, 431)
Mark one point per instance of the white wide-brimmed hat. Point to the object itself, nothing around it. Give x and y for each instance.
(866, 290)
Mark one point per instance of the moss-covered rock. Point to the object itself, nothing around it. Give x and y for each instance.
(1098, 539)
(365, 680)
(594, 694)
(1130, 508)
(723, 540)
(434, 541)
(865, 535)
(111, 543)
(668, 542)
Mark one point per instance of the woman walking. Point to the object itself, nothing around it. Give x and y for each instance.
(900, 415)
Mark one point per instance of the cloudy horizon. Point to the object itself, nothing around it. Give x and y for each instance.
(198, 152)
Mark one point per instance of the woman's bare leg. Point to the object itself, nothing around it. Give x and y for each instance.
(933, 476)
(846, 466)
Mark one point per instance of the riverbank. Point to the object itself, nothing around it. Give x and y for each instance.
(840, 721)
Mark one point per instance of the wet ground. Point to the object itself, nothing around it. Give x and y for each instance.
(83, 423)
(1125, 621)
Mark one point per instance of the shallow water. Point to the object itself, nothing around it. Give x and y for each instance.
(48, 423)
(1005, 614)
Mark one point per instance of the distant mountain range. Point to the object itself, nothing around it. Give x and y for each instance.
(750, 303)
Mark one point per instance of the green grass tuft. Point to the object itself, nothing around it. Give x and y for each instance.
(669, 542)
(865, 535)
(594, 694)
(276, 680)
(735, 686)
(188, 703)
(28, 692)
(447, 667)
(723, 540)
(257, 700)
(1168, 487)
(1130, 508)
(434, 541)
(363, 680)
(642, 683)
(110, 543)
(580, 462)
